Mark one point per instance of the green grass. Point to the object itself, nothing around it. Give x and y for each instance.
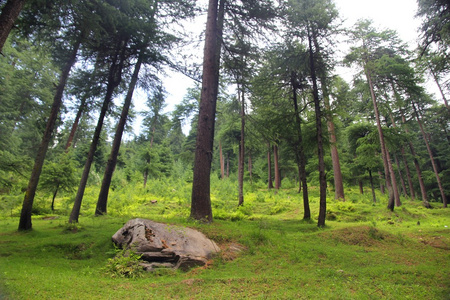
(364, 252)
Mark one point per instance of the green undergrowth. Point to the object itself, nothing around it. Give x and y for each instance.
(364, 252)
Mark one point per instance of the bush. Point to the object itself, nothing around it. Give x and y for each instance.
(125, 264)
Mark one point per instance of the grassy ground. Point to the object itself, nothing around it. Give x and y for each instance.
(365, 252)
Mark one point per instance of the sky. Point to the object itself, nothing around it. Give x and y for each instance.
(396, 15)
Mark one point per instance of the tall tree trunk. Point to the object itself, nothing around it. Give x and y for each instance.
(269, 168)
(201, 199)
(250, 166)
(439, 87)
(338, 182)
(395, 187)
(423, 191)
(433, 163)
(221, 161)
(361, 187)
(393, 178)
(10, 12)
(25, 215)
(319, 137)
(54, 197)
(384, 154)
(80, 111)
(402, 181)
(276, 167)
(380, 177)
(228, 165)
(300, 153)
(374, 198)
(101, 208)
(241, 148)
(114, 79)
(408, 175)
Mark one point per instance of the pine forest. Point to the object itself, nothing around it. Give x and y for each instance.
(314, 153)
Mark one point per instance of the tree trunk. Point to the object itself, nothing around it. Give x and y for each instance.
(250, 166)
(380, 177)
(145, 178)
(221, 161)
(201, 199)
(361, 188)
(392, 173)
(80, 111)
(384, 155)
(241, 149)
(54, 197)
(101, 208)
(440, 88)
(423, 191)
(300, 153)
(228, 165)
(114, 79)
(10, 12)
(276, 168)
(25, 216)
(319, 137)
(269, 168)
(433, 163)
(374, 198)
(338, 182)
(402, 181)
(408, 175)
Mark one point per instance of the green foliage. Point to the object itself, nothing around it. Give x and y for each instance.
(125, 264)
(279, 252)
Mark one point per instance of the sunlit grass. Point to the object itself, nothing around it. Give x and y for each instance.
(364, 252)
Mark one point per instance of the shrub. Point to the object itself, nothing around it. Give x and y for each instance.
(125, 264)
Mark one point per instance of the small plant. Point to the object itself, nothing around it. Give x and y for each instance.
(72, 227)
(125, 264)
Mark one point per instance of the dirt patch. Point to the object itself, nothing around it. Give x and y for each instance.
(436, 241)
(362, 236)
(230, 251)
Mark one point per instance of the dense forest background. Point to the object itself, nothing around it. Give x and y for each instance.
(283, 117)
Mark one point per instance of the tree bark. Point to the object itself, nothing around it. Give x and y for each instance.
(402, 181)
(391, 201)
(250, 167)
(440, 88)
(269, 168)
(201, 199)
(393, 179)
(75, 124)
(319, 137)
(374, 198)
(430, 153)
(53, 198)
(300, 153)
(423, 191)
(221, 161)
(380, 178)
(276, 168)
(102, 201)
(408, 175)
(25, 216)
(241, 149)
(9, 15)
(114, 79)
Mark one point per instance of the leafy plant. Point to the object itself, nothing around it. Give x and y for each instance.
(125, 264)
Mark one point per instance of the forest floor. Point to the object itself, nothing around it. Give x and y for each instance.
(364, 252)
